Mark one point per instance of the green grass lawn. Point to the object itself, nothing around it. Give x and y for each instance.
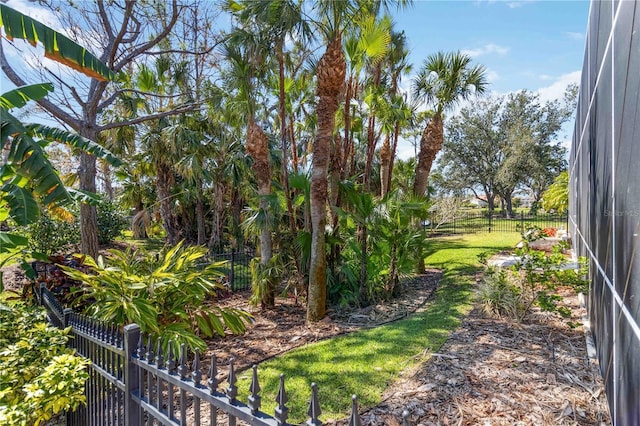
(365, 363)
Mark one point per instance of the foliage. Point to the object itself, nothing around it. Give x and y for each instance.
(27, 174)
(39, 375)
(111, 221)
(556, 197)
(264, 279)
(497, 145)
(501, 295)
(57, 229)
(49, 234)
(353, 363)
(166, 298)
(535, 280)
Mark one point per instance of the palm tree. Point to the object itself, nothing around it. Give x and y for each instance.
(331, 71)
(444, 80)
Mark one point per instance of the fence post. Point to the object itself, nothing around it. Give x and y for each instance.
(232, 274)
(66, 315)
(131, 378)
(490, 215)
(522, 222)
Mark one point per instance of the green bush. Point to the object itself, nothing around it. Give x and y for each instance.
(165, 298)
(39, 375)
(111, 221)
(535, 280)
(49, 235)
(501, 294)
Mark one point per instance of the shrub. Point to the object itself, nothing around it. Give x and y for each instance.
(165, 298)
(535, 280)
(111, 221)
(39, 375)
(501, 294)
(49, 235)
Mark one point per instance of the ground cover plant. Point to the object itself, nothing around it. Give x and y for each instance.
(39, 375)
(368, 361)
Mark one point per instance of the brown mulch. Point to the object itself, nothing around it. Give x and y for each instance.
(500, 372)
(490, 371)
(280, 329)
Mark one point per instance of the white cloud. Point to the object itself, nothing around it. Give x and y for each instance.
(43, 15)
(557, 88)
(574, 36)
(516, 4)
(492, 76)
(487, 49)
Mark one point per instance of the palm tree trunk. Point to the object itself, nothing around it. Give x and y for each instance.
(258, 148)
(430, 145)
(200, 215)
(283, 140)
(331, 73)
(394, 148)
(385, 167)
(163, 186)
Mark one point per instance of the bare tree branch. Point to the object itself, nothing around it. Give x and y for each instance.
(138, 120)
(105, 20)
(113, 47)
(149, 45)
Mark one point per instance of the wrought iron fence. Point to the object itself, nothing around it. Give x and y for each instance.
(131, 384)
(238, 270)
(466, 222)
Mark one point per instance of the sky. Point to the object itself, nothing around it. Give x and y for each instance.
(524, 44)
(533, 45)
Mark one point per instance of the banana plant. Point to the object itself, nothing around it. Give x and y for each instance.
(26, 174)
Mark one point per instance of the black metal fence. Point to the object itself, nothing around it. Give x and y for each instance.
(132, 384)
(471, 222)
(238, 270)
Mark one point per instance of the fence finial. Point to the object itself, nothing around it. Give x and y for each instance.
(159, 358)
(171, 359)
(314, 407)
(182, 368)
(281, 411)
(140, 351)
(196, 374)
(354, 419)
(212, 382)
(232, 390)
(254, 398)
(150, 354)
(405, 418)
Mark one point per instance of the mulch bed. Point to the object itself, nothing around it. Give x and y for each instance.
(490, 371)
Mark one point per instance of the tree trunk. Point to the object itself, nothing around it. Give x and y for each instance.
(283, 141)
(331, 73)
(334, 200)
(385, 167)
(163, 186)
(258, 148)
(347, 130)
(108, 186)
(430, 145)
(88, 215)
(392, 159)
(202, 237)
(509, 204)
